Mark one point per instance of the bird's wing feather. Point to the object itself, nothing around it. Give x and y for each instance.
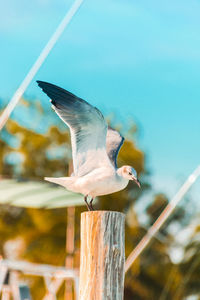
(87, 127)
(114, 141)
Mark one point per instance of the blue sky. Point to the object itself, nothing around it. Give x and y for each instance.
(137, 60)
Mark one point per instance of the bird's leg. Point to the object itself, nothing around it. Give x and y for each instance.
(85, 199)
(91, 207)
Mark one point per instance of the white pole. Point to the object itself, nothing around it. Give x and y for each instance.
(36, 66)
(162, 218)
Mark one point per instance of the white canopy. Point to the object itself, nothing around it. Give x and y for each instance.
(37, 194)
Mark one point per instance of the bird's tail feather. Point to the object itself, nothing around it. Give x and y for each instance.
(64, 181)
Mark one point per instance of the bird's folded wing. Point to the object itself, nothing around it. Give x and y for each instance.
(87, 126)
(114, 141)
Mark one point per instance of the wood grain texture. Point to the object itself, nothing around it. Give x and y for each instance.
(102, 256)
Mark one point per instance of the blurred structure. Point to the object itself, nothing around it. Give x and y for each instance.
(38, 195)
(53, 278)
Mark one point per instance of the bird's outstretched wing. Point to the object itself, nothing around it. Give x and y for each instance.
(114, 141)
(87, 127)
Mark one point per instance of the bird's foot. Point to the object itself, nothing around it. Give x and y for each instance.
(88, 206)
(91, 206)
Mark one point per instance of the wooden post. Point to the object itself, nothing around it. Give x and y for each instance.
(102, 256)
(69, 250)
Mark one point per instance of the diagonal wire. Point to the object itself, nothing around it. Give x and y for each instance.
(38, 63)
(172, 272)
(161, 219)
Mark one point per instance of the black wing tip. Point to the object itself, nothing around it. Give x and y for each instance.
(42, 83)
(45, 83)
(39, 82)
(46, 87)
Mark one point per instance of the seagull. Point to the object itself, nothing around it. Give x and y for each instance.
(95, 147)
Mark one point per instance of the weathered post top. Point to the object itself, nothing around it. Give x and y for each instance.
(102, 256)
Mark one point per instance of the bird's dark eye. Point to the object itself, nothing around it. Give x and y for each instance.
(130, 173)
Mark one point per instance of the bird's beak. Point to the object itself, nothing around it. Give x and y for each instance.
(136, 181)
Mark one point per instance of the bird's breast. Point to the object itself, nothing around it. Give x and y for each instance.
(101, 182)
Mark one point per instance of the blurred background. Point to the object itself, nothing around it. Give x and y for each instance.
(139, 63)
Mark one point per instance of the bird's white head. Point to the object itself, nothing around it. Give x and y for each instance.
(129, 173)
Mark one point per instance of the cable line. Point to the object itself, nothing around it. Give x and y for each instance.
(162, 218)
(38, 63)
